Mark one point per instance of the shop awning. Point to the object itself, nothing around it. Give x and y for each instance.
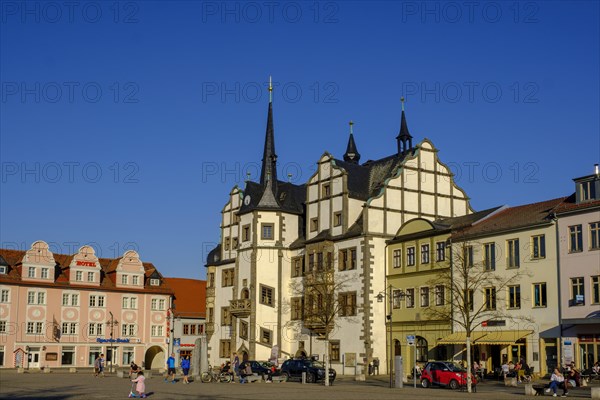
(485, 337)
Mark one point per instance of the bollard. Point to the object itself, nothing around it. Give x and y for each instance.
(303, 378)
(529, 390)
(596, 393)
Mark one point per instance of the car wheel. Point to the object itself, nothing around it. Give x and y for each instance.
(310, 378)
(453, 384)
(425, 383)
(285, 377)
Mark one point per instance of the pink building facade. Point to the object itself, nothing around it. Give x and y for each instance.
(62, 311)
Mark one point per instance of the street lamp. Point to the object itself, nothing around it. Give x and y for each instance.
(380, 296)
(112, 323)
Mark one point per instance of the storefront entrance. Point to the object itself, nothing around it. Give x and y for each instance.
(33, 357)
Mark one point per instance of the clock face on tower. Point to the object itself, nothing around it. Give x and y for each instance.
(247, 200)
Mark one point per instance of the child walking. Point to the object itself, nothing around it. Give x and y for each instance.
(140, 386)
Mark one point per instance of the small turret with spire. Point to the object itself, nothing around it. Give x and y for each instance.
(404, 138)
(268, 172)
(352, 155)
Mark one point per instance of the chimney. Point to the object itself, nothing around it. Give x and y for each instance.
(596, 170)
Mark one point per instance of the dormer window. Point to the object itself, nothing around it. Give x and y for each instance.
(3, 269)
(79, 276)
(31, 272)
(154, 282)
(124, 279)
(135, 280)
(90, 277)
(587, 191)
(326, 190)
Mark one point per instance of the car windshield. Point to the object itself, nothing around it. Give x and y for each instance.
(317, 364)
(266, 364)
(455, 367)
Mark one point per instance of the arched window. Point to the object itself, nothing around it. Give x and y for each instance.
(397, 348)
(245, 293)
(422, 349)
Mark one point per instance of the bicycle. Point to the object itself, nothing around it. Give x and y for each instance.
(212, 376)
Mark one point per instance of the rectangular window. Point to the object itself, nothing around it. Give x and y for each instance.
(225, 348)
(44, 273)
(2, 326)
(577, 291)
(490, 298)
(41, 298)
(135, 280)
(65, 299)
(512, 260)
(311, 262)
(225, 316)
(424, 254)
(297, 267)
(334, 350)
(514, 296)
(125, 303)
(266, 336)
(124, 279)
(100, 301)
(337, 219)
(154, 304)
(319, 261)
(246, 233)
(575, 239)
(440, 251)
(267, 231)
(133, 303)
(30, 327)
(155, 282)
(131, 330)
(539, 295)
(90, 277)
(243, 330)
(468, 256)
(538, 246)
(227, 241)
(39, 327)
(266, 295)
(326, 190)
(410, 298)
(587, 190)
(228, 277)
(397, 258)
(440, 295)
(30, 297)
(161, 304)
(296, 308)
(489, 260)
(100, 329)
(352, 259)
(410, 256)
(4, 295)
(397, 298)
(211, 280)
(314, 224)
(92, 329)
(210, 315)
(595, 289)
(234, 243)
(124, 330)
(595, 236)
(31, 272)
(424, 297)
(186, 329)
(347, 304)
(79, 276)
(469, 299)
(92, 301)
(74, 299)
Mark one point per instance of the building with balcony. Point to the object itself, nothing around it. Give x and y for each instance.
(59, 310)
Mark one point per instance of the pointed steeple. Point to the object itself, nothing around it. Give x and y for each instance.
(268, 173)
(352, 155)
(404, 138)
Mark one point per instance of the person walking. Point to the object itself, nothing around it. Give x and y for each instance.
(171, 368)
(236, 366)
(185, 366)
(97, 365)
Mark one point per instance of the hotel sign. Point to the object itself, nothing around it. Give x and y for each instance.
(86, 263)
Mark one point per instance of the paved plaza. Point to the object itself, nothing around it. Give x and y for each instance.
(83, 385)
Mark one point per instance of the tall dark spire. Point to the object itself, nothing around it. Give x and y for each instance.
(268, 173)
(404, 138)
(352, 155)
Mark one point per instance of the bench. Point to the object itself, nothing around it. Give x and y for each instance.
(278, 378)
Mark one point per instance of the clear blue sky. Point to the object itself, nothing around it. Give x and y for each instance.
(128, 126)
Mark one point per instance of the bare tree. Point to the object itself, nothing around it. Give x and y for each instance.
(319, 298)
(464, 279)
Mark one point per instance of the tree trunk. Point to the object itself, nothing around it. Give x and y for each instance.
(469, 363)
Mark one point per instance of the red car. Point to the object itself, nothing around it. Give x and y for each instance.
(445, 374)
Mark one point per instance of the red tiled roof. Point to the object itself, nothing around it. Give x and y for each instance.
(512, 218)
(190, 296)
(570, 205)
(63, 261)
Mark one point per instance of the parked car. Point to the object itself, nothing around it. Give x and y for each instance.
(260, 367)
(445, 374)
(315, 370)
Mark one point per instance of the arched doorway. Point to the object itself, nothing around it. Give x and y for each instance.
(397, 348)
(154, 358)
(245, 293)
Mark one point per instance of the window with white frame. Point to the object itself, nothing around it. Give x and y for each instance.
(424, 297)
(154, 304)
(79, 276)
(397, 257)
(124, 279)
(31, 272)
(440, 251)
(133, 303)
(4, 295)
(41, 298)
(65, 299)
(161, 304)
(30, 328)
(154, 282)
(135, 280)
(3, 271)
(44, 273)
(30, 297)
(595, 236)
(156, 330)
(440, 295)
(34, 297)
(410, 256)
(101, 301)
(410, 298)
(39, 328)
(424, 254)
(90, 277)
(2, 326)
